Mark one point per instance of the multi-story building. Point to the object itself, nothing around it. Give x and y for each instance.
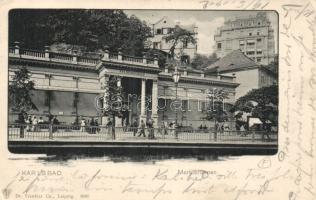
(184, 50)
(252, 35)
(248, 73)
(69, 86)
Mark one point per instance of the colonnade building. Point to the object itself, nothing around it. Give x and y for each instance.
(68, 85)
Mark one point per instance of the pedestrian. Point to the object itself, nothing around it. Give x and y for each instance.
(34, 123)
(109, 126)
(150, 126)
(40, 122)
(82, 125)
(175, 129)
(55, 123)
(96, 124)
(28, 121)
(92, 127)
(266, 129)
(135, 127)
(165, 125)
(142, 128)
(21, 121)
(161, 129)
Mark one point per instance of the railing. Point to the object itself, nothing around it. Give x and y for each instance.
(61, 57)
(32, 53)
(151, 62)
(113, 56)
(11, 50)
(88, 60)
(46, 132)
(132, 59)
(76, 59)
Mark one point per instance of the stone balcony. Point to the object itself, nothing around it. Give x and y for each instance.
(46, 55)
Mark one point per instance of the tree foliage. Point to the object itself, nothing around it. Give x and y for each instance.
(179, 34)
(262, 96)
(113, 101)
(267, 99)
(202, 61)
(162, 56)
(216, 99)
(20, 92)
(86, 30)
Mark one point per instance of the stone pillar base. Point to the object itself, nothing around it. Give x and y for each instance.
(155, 118)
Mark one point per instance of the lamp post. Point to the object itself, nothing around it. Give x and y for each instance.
(212, 94)
(176, 76)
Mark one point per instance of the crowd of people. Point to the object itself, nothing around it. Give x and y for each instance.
(89, 125)
(142, 128)
(36, 123)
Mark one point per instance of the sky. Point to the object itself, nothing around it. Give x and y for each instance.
(206, 21)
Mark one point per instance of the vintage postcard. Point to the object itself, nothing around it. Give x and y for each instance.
(158, 100)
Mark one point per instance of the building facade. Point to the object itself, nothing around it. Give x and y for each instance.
(254, 36)
(248, 73)
(184, 50)
(70, 86)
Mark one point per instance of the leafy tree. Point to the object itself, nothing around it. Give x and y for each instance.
(83, 30)
(215, 109)
(267, 99)
(20, 95)
(179, 34)
(202, 61)
(162, 56)
(20, 91)
(113, 101)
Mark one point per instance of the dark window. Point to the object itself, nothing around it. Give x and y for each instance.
(250, 52)
(259, 40)
(250, 34)
(185, 59)
(258, 59)
(258, 33)
(185, 44)
(219, 45)
(159, 31)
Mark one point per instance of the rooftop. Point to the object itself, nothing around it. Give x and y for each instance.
(235, 60)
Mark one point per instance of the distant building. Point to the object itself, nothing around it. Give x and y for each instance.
(184, 51)
(252, 35)
(248, 73)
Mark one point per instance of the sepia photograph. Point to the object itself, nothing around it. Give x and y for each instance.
(170, 81)
(156, 100)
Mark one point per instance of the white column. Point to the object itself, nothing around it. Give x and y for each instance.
(118, 120)
(143, 102)
(154, 100)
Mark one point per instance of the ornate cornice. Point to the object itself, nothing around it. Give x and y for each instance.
(197, 80)
(124, 66)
